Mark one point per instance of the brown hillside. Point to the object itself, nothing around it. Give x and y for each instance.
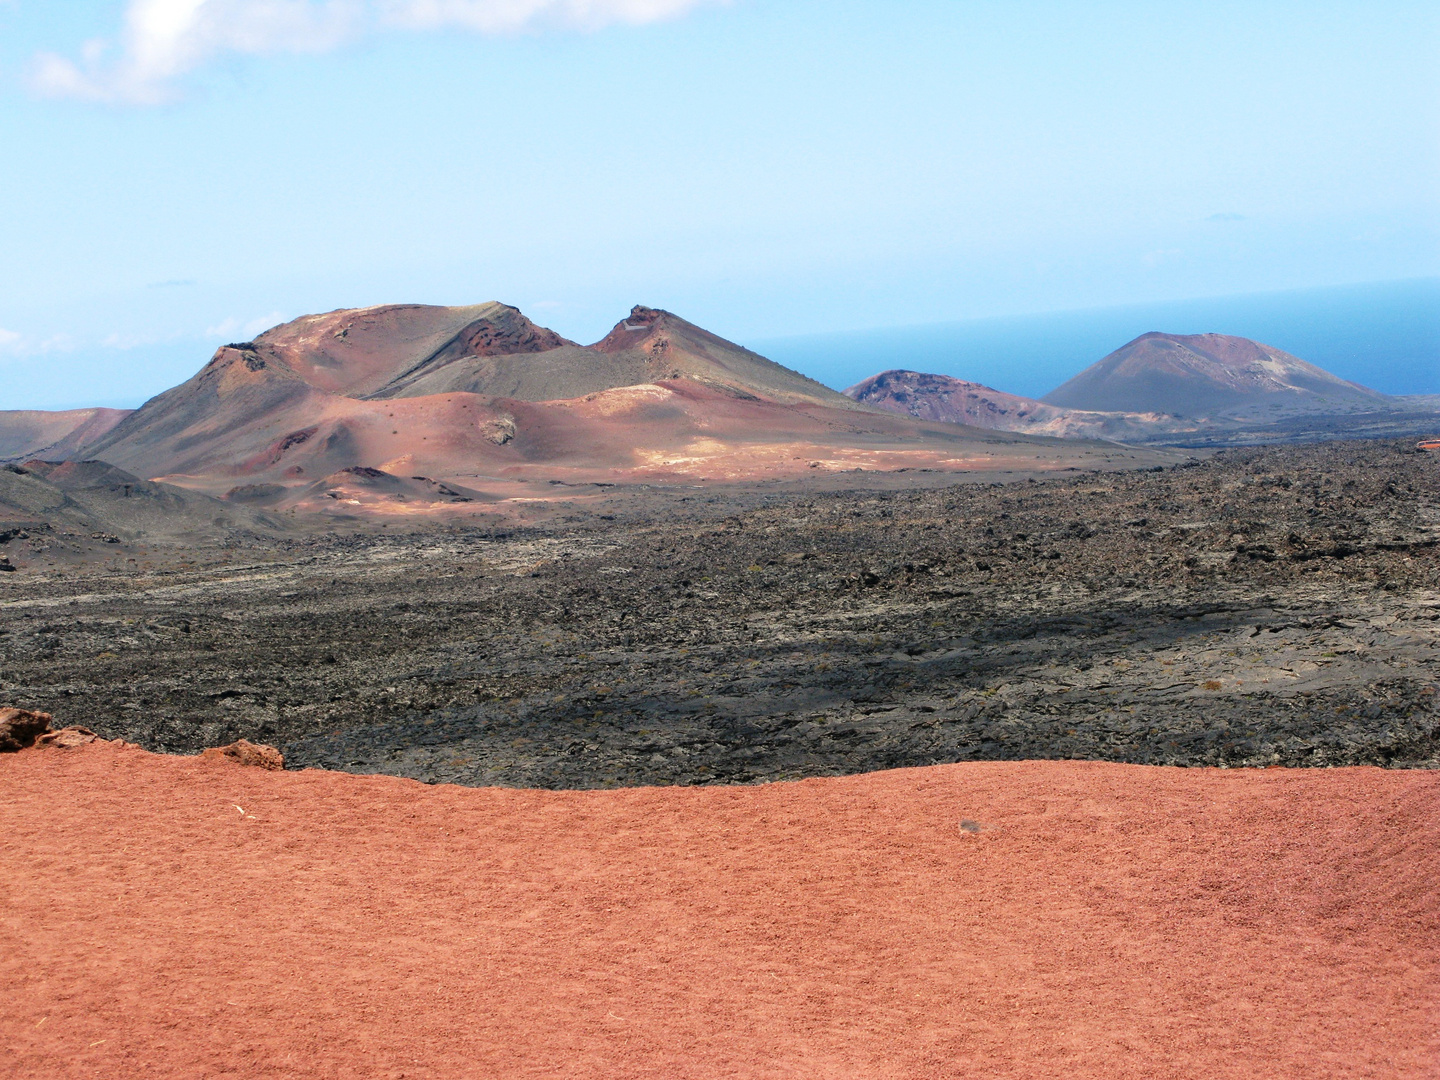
(373, 351)
(459, 395)
(28, 433)
(1212, 375)
(670, 348)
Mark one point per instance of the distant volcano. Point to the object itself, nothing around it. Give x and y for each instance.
(940, 397)
(28, 433)
(1213, 376)
(1197, 389)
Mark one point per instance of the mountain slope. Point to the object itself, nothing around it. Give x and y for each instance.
(90, 495)
(204, 421)
(27, 433)
(370, 352)
(940, 397)
(649, 346)
(1210, 375)
(320, 392)
(668, 347)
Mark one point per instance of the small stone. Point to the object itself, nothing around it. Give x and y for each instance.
(68, 737)
(244, 752)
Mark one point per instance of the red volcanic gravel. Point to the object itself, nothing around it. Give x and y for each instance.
(1034, 919)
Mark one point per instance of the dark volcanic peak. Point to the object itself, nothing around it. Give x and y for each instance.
(940, 397)
(1211, 375)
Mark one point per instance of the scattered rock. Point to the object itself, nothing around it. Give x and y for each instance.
(244, 752)
(20, 728)
(499, 430)
(68, 737)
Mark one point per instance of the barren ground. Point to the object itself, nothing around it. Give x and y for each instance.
(166, 917)
(1263, 606)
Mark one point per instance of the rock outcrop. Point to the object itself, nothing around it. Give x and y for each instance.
(68, 738)
(19, 728)
(244, 752)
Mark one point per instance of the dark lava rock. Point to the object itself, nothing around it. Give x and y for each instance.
(1263, 606)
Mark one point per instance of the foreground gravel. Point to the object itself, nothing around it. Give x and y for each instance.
(1264, 606)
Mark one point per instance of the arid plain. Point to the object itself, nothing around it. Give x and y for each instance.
(1257, 607)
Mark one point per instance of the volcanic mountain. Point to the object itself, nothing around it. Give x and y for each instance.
(29, 433)
(940, 397)
(1213, 376)
(464, 396)
(1200, 389)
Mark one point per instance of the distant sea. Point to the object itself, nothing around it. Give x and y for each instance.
(1383, 335)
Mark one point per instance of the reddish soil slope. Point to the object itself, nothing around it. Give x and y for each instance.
(27, 433)
(172, 917)
(1210, 375)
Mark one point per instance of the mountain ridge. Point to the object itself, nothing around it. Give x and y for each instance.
(1176, 389)
(29, 433)
(473, 398)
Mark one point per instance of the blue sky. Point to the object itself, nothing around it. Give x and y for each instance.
(180, 173)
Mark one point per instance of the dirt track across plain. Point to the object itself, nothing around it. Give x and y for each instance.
(168, 917)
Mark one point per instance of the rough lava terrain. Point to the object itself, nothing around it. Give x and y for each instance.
(1262, 606)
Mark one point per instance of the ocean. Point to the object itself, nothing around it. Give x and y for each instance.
(1383, 335)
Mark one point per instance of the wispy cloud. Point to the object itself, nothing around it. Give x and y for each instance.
(162, 40)
(13, 344)
(244, 328)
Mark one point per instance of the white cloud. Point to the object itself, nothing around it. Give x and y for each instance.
(162, 40)
(16, 344)
(502, 16)
(244, 329)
